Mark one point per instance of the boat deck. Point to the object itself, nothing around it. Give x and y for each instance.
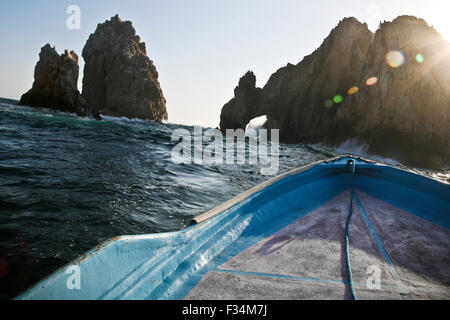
(306, 259)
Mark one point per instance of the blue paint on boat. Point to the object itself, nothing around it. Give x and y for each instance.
(169, 265)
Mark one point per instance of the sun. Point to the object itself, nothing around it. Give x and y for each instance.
(444, 29)
(439, 19)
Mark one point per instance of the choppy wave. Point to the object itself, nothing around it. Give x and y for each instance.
(353, 146)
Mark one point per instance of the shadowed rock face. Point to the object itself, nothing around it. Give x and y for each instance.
(55, 83)
(405, 114)
(294, 96)
(119, 79)
(244, 106)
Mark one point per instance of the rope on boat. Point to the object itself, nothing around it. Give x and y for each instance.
(347, 230)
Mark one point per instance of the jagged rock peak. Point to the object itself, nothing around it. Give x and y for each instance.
(247, 81)
(241, 109)
(55, 83)
(349, 23)
(121, 32)
(405, 19)
(71, 55)
(119, 78)
(116, 18)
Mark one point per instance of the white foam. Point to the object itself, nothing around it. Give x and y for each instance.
(41, 111)
(354, 147)
(122, 119)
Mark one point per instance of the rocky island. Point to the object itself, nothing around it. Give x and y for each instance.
(55, 83)
(119, 78)
(388, 91)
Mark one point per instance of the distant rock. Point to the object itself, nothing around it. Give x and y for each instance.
(55, 83)
(403, 111)
(119, 79)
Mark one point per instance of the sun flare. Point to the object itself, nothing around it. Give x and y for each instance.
(439, 19)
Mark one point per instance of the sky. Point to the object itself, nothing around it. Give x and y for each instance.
(200, 47)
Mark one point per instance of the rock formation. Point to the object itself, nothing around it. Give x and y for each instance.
(406, 114)
(294, 96)
(403, 111)
(55, 83)
(243, 107)
(119, 79)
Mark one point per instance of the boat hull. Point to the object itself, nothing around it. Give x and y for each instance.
(176, 265)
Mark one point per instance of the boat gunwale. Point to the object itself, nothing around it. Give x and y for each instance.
(248, 193)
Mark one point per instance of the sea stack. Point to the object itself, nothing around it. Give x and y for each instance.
(119, 79)
(55, 83)
(389, 91)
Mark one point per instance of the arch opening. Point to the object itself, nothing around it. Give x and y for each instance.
(256, 123)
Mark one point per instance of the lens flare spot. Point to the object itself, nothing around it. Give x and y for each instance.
(352, 90)
(395, 59)
(371, 81)
(420, 58)
(338, 98)
(328, 103)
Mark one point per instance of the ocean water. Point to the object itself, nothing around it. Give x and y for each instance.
(68, 183)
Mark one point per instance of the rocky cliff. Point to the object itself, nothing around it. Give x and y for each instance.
(406, 113)
(389, 90)
(55, 83)
(119, 79)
